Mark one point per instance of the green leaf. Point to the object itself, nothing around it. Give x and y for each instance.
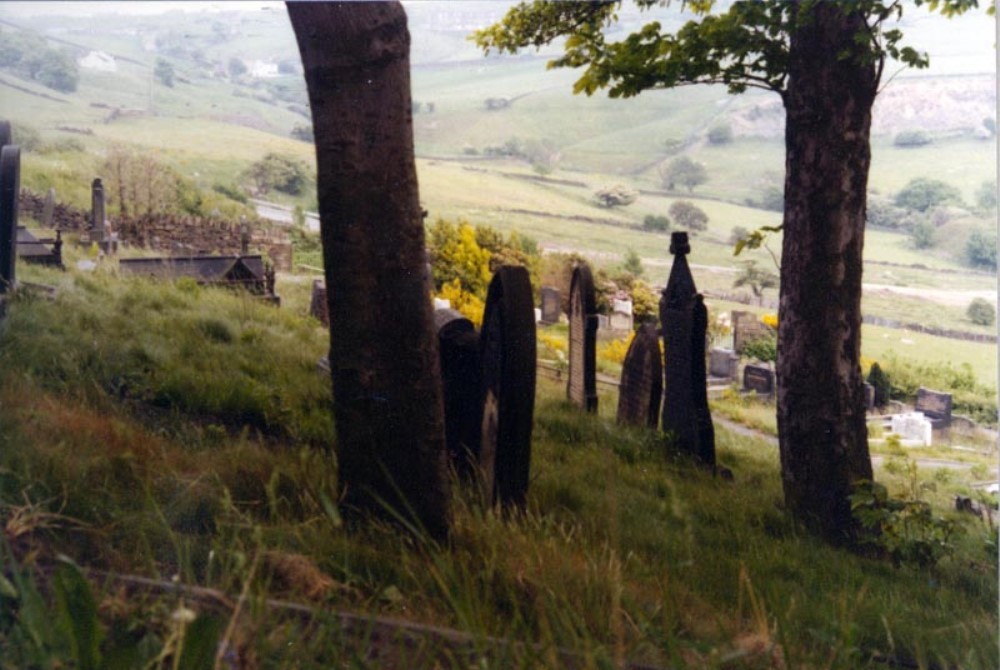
(201, 640)
(78, 611)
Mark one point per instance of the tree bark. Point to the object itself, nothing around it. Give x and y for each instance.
(383, 356)
(821, 416)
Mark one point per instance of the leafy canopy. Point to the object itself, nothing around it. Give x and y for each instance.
(746, 45)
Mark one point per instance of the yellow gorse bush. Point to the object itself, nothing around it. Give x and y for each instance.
(770, 320)
(461, 300)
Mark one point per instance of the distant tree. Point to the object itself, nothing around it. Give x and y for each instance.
(617, 195)
(416, 106)
(990, 124)
(688, 215)
(58, 71)
(720, 134)
(986, 196)
(922, 234)
(772, 198)
(921, 194)
(304, 132)
(981, 249)
(431, 107)
(884, 214)
(164, 72)
(756, 279)
(138, 183)
(981, 312)
(632, 263)
(911, 138)
(277, 172)
(656, 222)
(683, 171)
(289, 66)
(236, 67)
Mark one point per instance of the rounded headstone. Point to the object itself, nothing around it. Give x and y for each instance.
(508, 350)
(641, 389)
(581, 388)
(10, 188)
(458, 349)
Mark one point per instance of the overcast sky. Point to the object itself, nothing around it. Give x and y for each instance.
(91, 8)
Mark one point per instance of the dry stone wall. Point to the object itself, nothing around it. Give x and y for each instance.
(170, 233)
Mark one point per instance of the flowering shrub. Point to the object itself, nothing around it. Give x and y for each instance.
(461, 300)
(770, 320)
(615, 350)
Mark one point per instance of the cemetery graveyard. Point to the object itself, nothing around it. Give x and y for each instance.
(537, 461)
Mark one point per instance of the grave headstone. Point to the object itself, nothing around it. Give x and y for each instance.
(10, 187)
(912, 426)
(641, 390)
(758, 378)
(603, 322)
(684, 321)
(458, 348)
(621, 315)
(723, 363)
(747, 327)
(97, 213)
(551, 305)
(581, 388)
(869, 397)
(935, 405)
(508, 349)
(6, 135)
(318, 307)
(48, 208)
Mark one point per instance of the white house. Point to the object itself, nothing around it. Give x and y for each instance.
(100, 61)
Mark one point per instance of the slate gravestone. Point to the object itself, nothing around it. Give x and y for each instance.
(10, 188)
(582, 386)
(684, 321)
(869, 397)
(758, 378)
(641, 390)
(507, 349)
(723, 363)
(48, 208)
(551, 305)
(458, 349)
(747, 327)
(318, 307)
(935, 405)
(6, 136)
(97, 214)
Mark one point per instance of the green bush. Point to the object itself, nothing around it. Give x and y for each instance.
(922, 194)
(657, 223)
(981, 312)
(981, 249)
(688, 215)
(922, 234)
(762, 348)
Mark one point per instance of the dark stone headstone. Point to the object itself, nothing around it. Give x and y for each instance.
(551, 305)
(507, 352)
(461, 371)
(97, 213)
(869, 397)
(48, 208)
(582, 386)
(641, 390)
(935, 405)
(723, 363)
(6, 135)
(10, 188)
(318, 306)
(759, 378)
(684, 321)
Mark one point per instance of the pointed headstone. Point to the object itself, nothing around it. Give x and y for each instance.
(10, 187)
(48, 208)
(97, 213)
(684, 320)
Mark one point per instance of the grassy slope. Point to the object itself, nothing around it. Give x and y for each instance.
(624, 552)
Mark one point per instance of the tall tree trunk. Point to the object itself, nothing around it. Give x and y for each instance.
(821, 415)
(383, 357)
